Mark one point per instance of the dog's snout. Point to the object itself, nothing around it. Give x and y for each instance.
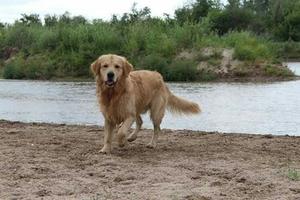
(110, 75)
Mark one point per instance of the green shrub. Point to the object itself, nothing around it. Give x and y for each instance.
(1, 72)
(72, 64)
(244, 53)
(103, 37)
(242, 72)
(182, 70)
(206, 75)
(35, 67)
(66, 46)
(135, 40)
(286, 50)
(215, 62)
(19, 36)
(38, 67)
(155, 62)
(160, 44)
(9, 71)
(248, 47)
(48, 40)
(15, 68)
(271, 70)
(231, 19)
(186, 35)
(2, 42)
(210, 40)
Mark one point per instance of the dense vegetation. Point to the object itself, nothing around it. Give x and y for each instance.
(63, 46)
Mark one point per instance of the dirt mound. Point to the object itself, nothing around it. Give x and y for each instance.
(221, 64)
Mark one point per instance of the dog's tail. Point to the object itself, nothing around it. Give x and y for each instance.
(179, 105)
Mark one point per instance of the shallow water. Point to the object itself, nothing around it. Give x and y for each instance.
(263, 108)
(295, 67)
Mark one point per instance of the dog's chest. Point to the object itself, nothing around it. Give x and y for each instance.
(116, 111)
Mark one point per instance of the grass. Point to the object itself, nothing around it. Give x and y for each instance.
(1, 69)
(287, 50)
(248, 46)
(271, 70)
(293, 174)
(34, 67)
(214, 61)
(207, 76)
(181, 70)
(242, 72)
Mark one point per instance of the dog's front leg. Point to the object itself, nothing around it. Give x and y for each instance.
(122, 132)
(108, 132)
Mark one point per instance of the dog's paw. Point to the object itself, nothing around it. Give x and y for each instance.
(151, 145)
(105, 150)
(122, 144)
(122, 140)
(132, 137)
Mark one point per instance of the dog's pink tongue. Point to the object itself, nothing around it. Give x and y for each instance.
(109, 82)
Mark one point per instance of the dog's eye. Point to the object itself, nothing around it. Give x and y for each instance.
(105, 66)
(117, 66)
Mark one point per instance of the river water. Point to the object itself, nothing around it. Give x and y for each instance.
(295, 67)
(260, 108)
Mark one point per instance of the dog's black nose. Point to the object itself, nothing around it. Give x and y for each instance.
(110, 75)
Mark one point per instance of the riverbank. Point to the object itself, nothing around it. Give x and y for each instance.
(53, 161)
(232, 79)
(237, 55)
(221, 80)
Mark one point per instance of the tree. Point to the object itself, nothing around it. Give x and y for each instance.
(50, 20)
(233, 4)
(30, 19)
(196, 11)
(114, 19)
(230, 19)
(284, 20)
(202, 7)
(79, 20)
(262, 7)
(65, 18)
(135, 15)
(184, 14)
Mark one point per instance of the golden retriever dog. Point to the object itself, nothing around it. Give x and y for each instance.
(124, 95)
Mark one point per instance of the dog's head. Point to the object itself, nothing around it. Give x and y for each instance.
(111, 69)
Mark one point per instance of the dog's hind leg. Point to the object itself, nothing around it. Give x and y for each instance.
(157, 112)
(134, 134)
(154, 139)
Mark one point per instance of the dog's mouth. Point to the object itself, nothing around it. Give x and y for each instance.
(110, 83)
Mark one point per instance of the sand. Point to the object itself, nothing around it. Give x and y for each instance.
(48, 161)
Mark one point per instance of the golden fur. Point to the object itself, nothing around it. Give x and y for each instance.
(129, 94)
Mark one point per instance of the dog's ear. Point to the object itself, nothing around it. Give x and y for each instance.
(95, 67)
(127, 68)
